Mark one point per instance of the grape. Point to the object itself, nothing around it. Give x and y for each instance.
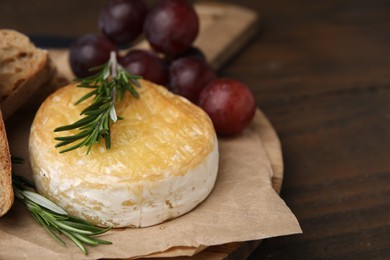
(171, 26)
(122, 20)
(192, 52)
(188, 76)
(146, 64)
(230, 105)
(89, 51)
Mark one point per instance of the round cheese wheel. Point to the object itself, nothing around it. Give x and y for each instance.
(162, 163)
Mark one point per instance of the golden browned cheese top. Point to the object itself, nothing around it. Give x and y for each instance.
(160, 132)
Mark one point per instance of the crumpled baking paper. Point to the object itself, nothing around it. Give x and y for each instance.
(242, 206)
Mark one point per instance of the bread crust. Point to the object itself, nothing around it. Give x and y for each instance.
(6, 191)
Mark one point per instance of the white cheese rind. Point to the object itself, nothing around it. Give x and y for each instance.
(113, 201)
(162, 162)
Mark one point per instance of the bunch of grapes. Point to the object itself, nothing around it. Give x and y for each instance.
(170, 27)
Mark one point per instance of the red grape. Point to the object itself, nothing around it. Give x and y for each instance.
(192, 52)
(89, 51)
(146, 64)
(171, 26)
(230, 105)
(188, 76)
(122, 20)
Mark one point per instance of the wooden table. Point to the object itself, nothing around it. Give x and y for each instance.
(320, 70)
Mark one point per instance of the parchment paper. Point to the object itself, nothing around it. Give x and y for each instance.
(242, 206)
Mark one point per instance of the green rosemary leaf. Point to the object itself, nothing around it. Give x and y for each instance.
(89, 147)
(132, 91)
(76, 241)
(94, 112)
(96, 68)
(106, 71)
(107, 140)
(106, 124)
(32, 206)
(92, 125)
(120, 93)
(38, 217)
(42, 201)
(87, 85)
(86, 96)
(85, 239)
(79, 220)
(75, 125)
(87, 227)
(54, 235)
(102, 231)
(76, 146)
(135, 82)
(124, 77)
(73, 229)
(72, 138)
(49, 217)
(101, 241)
(93, 106)
(66, 142)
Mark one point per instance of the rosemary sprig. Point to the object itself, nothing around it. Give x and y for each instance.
(54, 219)
(108, 85)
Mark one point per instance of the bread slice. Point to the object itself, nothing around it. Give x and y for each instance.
(6, 191)
(24, 68)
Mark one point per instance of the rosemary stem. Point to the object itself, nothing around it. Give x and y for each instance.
(56, 220)
(113, 64)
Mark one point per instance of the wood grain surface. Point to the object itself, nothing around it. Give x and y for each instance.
(320, 70)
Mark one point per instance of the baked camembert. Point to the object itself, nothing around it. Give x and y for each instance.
(162, 163)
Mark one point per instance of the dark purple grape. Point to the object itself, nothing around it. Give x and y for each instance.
(192, 52)
(122, 20)
(89, 51)
(171, 26)
(230, 105)
(188, 76)
(146, 64)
